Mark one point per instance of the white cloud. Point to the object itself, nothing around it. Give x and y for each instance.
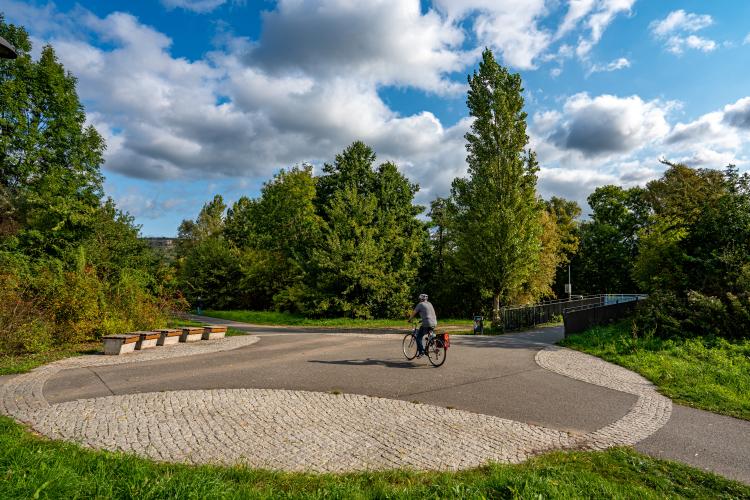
(709, 158)
(388, 42)
(680, 21)
(608, 124)
(602, 16)
(615, 65)
(676, 25)
(501, 24)
(678, 44)
(746, 40)
(200, 6)
(521, 34)
(738, 114)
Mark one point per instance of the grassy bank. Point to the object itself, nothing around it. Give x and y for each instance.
(711, 373)
(11, 363)
(33, 467)
(287, 319)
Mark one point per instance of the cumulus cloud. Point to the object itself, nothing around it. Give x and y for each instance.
(232, 114)
(609, 124)
(674, 28)
(678, 44)
(679, 20)
(200, 6)
(619, 63)
(385, 41)
(738, 114)
(523, 36)
(714, 139)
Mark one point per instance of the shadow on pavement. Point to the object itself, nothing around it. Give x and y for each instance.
(369, 362)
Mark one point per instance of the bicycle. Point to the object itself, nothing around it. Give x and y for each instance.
(435, 345)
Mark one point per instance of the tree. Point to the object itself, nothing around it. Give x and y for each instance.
(367, 262)
(210, 222)
(565, 213)
(495, 212)
(280, 228)
(609, 241)
(49, 160)
(698, 235)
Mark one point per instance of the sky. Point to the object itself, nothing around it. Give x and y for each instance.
(199, 97)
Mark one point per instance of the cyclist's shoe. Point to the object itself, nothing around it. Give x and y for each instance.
(419, 355)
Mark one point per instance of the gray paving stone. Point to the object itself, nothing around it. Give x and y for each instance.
(313, 431)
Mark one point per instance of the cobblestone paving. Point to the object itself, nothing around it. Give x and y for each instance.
(298, 430)
(650, 412)
(294, 430)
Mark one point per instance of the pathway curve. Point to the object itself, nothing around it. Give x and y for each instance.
(305, 430)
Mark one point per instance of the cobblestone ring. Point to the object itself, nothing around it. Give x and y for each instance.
(299, 430)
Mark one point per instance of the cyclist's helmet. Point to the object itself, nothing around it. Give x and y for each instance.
(422, 297)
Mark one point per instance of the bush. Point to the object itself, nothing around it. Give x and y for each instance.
(43, 304)
(666, 315)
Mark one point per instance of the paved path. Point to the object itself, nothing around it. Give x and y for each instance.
(270, 404)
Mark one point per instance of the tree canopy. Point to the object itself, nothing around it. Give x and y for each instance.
(496, 216)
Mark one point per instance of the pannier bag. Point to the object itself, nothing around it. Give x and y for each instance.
(445, 338)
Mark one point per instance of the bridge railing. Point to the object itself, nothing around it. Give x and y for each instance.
(526, 316)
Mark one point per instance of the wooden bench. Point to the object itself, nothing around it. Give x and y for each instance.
(212, 332)
(168, 336)
(146, 340)
(191, 334)
(120, 344)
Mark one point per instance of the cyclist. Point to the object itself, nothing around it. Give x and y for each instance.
(426, 313)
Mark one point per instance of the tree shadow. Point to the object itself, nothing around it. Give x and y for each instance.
(369, 362)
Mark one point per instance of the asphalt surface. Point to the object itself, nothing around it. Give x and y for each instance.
(491, 375)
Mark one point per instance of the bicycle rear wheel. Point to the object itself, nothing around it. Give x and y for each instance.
(410, 346)
(436, 352)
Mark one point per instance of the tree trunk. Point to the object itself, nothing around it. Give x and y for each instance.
(496, 320)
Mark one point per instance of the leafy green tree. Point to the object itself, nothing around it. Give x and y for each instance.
(371, 238)
(210, 222)
(609, 241)
(694, 257)
(495, 212)
(71, 265)
(566, 214)
(698, 236)
(212, 272)
(281, 227)
(49, 159)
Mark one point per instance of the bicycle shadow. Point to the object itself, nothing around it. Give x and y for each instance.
(369, 362)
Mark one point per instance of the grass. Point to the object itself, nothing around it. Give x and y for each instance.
(287, 319)
(708, 373)
(21, 363)
(33, 467)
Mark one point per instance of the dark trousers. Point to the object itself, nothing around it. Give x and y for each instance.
(423, 330)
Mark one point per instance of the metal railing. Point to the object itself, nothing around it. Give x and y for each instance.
(579, 319)
(526, 316)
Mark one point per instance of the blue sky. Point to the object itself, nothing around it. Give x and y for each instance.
(197, 97)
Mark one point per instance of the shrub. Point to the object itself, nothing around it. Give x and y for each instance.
(666, 315)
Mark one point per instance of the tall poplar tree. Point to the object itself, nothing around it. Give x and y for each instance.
(496, 215)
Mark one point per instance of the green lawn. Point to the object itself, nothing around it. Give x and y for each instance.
(279, 318)
(22, 363)
(33, 467)
(712, 374)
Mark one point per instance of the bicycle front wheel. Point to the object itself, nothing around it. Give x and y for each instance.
(410, 346)
(436, 352)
